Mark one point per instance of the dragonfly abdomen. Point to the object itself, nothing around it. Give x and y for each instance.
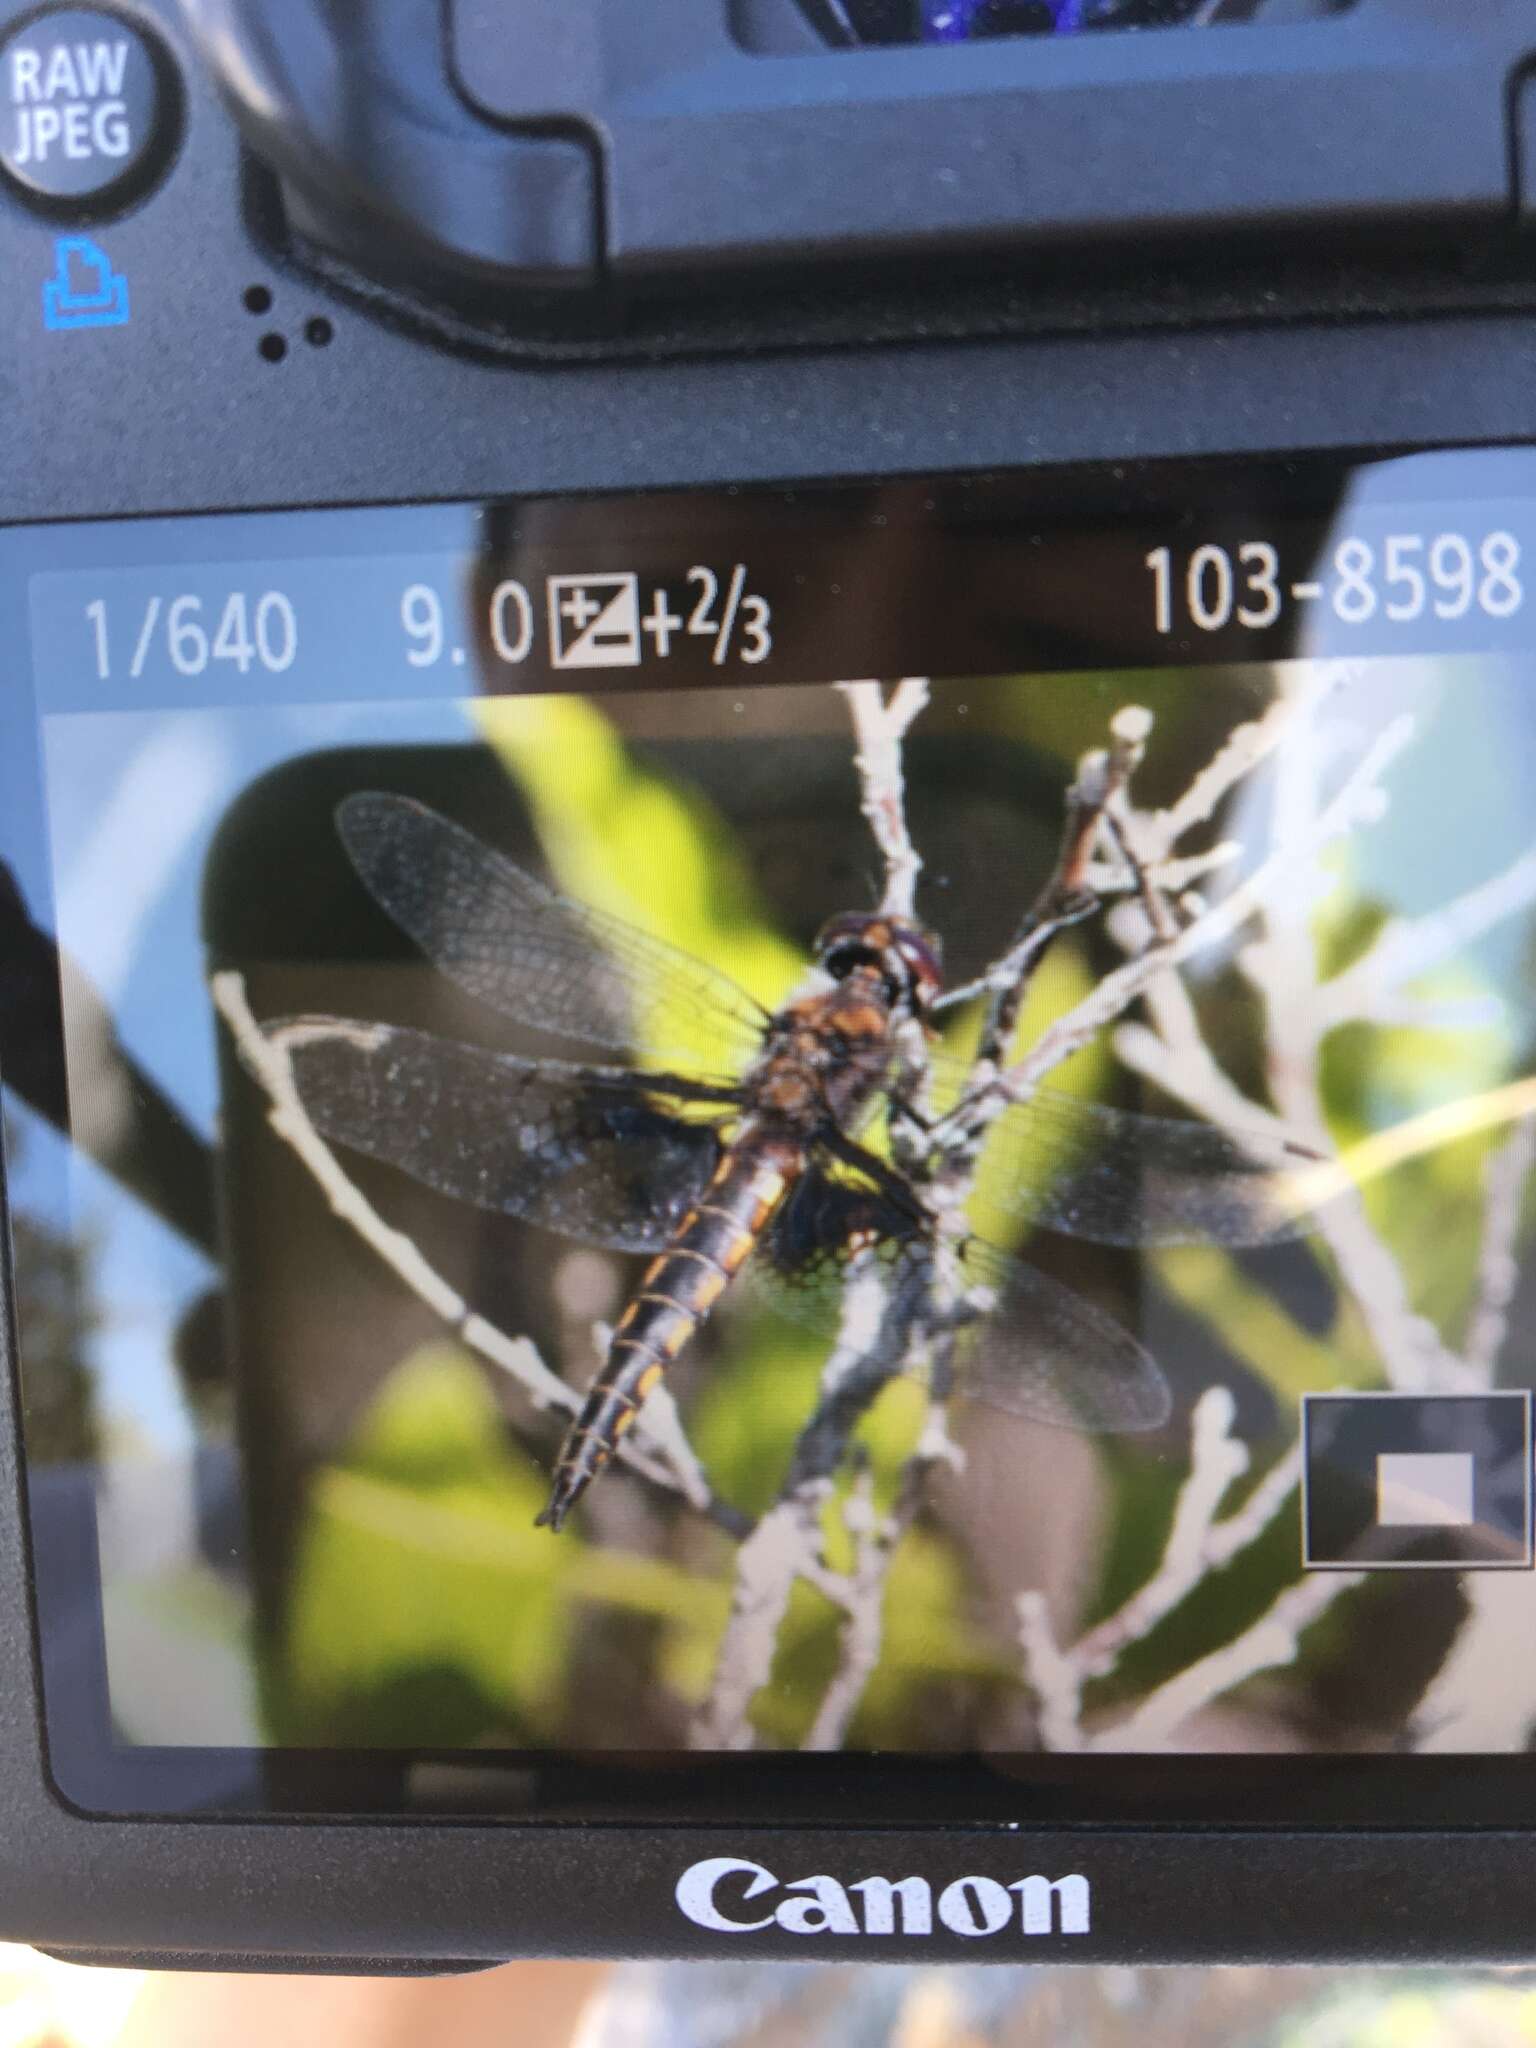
(680, 1289)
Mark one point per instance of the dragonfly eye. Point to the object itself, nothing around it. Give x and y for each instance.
(842, 960)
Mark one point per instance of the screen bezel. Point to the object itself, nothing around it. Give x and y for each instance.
(1229, 1791)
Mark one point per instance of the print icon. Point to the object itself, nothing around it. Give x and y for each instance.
(594, 621)
(84, 290)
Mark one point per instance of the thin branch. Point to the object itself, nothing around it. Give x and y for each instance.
(1217, 1460)
(1173, 877)
(1282, 966)
(1102, 778)
(1274, 1639)
(1498, 1271)
(880, 726)
(1053, 1675)
(658, 1448)
(875, 1536)
(1243, 751)
(1197, 1545)
(1360, 801)
(1409, 948)
(786, 1545)
(876, 1539)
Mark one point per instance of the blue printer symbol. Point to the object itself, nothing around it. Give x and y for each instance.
(84, 290)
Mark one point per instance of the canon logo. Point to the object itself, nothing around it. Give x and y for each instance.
(720, 1892)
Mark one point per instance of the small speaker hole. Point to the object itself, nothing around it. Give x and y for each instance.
(319, 332)
(272, 348)
(258, 299)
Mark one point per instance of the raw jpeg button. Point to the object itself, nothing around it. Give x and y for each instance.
(85, 107)
(1395, 1481)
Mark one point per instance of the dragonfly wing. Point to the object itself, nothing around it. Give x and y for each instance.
(1115, 1176)
(536, 956)
(1033, 1348)
(802, 1266)
(1044, 1352)
(592, 1152)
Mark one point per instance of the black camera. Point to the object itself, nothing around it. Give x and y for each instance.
(766, 917)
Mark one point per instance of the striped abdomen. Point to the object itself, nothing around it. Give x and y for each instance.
(679, 1290)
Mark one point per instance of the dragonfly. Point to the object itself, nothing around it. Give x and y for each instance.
(741, 1145)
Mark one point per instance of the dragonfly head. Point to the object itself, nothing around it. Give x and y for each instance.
(905, 956)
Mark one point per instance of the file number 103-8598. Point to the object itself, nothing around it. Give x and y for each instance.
(1409, 576)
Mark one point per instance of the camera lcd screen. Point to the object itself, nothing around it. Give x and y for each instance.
(802, 1152)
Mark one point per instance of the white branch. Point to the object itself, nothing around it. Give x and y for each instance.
(1053, 1675)
(1360, 801)
(1282, 966)
(880, 726)
(1498, 1270)
(1235, 760)
(661, 1453)
(875, 1537)
(1275, 1638)
(862, 1594)
(1409, 948)
(785, 1546)
(1197, 1545)
(1173, 877)
(1217, 1460)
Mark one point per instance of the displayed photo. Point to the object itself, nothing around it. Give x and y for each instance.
(914, 1217)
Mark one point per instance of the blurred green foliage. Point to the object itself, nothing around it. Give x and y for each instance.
(423, 1596)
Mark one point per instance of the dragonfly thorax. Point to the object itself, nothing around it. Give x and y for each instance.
(827, 1053)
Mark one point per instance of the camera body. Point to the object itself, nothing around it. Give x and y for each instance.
(687, 251)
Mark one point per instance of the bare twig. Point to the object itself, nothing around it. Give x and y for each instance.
(1359, 801)
(1498, 1272)
(1108, 879)
(1409, 948)
(786, 1545)
(1235, 760)
(1053, 1675)
(662, 1453)
(1197, 1545)
(874, 1536)
(1217, 1460)
(880, 726)
(1102, 778)
(1282, 965)
(1275, 1638)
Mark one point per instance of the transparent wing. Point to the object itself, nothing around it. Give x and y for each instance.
(536, 956)
(594, 1153)
(1117, 1177)
(1044, 1352)
(1034, 1348)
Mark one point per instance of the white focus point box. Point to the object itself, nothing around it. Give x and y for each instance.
(1424, 1489)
